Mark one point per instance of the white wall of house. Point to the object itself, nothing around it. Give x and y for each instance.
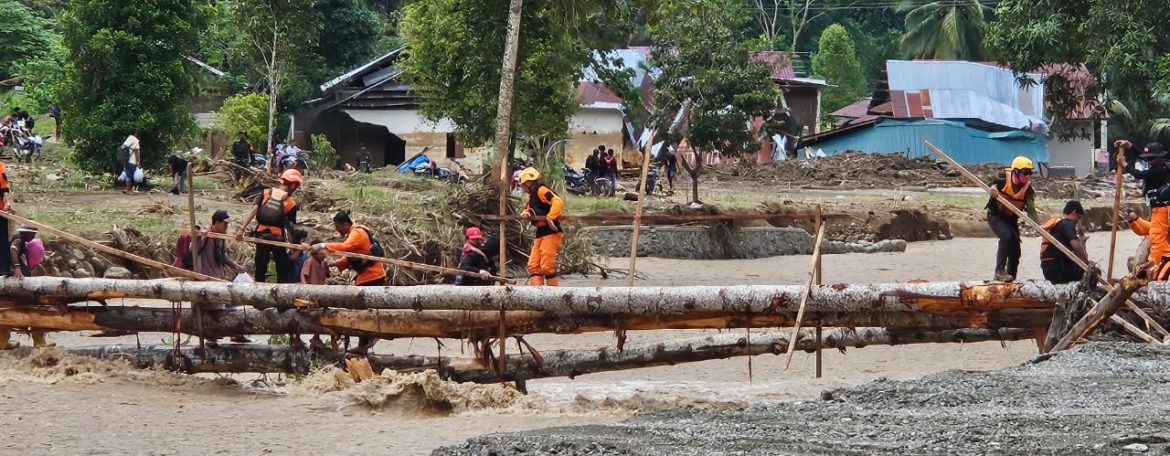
(590, 127)
(400, 122)
(1077, 153)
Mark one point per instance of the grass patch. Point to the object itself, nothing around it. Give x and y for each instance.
(93, 221)
(585, 205)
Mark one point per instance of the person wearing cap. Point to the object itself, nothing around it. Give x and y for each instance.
(1015, 185)
(360, 240)
(544, 203)
(1155, 177)
(23, 255)
(275, 212)
(1057, 267)
(475, 260)
(213, 259)
(5, 206)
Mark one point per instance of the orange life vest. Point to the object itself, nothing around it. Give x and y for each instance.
(1044, 244)
(273, 213)
(3, 187)
(1013, 195)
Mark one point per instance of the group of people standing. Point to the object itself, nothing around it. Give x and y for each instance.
(602, 163)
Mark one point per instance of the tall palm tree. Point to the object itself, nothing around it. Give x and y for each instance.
(944, 29)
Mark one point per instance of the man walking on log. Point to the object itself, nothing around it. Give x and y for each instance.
(1156, 188)
(542, 202)
(25, 259)
(1057, 266)
(1015, 186)
(276, 213)
(360, 240)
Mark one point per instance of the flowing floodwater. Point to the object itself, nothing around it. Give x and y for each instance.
(52, 403)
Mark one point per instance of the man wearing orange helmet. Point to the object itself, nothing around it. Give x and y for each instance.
(276, 213)
(542, 202)
(1015, 185)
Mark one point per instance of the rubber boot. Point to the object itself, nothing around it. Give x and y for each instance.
(552, 281)
(5, 340)
(38, 338)
(536, 280)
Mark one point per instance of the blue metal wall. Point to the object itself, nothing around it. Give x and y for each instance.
(966, 145)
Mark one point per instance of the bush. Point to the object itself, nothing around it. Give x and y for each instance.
(324, 155)
(246, 112)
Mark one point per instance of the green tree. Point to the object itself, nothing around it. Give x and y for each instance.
(353, 34)
(247, 112)
(944, 29)
(125, 69)
(453, 60)
(836, 61)
(24, 36)
(276, 33)
(703, 62)
(1122, 44)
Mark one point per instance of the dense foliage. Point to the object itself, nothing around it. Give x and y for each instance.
(125, 69)
(837, 62)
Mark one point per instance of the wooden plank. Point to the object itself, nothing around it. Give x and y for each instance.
(638, 211)
(672, 218)
(805, 294)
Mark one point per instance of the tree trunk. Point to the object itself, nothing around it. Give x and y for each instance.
(561, 363)
(455, 324)
(503, 141)
(941, 298)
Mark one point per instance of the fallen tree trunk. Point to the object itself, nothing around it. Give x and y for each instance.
(938, 298)
(562, 363)
(461, 324)
(1100, 312)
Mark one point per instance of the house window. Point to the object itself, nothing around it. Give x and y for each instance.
(454, 149)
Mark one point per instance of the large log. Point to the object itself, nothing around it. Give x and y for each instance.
(562, 363)
(461, 324)
(937, 298)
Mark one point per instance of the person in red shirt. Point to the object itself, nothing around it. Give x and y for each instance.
(360, 240)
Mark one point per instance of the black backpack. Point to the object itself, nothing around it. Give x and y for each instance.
(123, 153)
(376, 250)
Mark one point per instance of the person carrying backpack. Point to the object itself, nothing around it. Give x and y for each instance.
(360, 240)
(275, 212)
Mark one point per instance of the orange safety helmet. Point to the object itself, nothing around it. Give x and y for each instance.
(474, 233)
(292, 176)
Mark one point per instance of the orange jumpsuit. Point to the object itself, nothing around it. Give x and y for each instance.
(542, 261)
(358, 241)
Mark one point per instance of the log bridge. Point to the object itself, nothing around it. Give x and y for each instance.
(856, 315)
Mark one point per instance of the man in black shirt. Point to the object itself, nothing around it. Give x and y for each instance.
(1057, 266)
(242, 150)
(477, 259)
(593, 169)
(1155, 179)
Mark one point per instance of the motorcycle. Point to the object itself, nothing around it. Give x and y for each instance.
(447, 174)
(577, 182)
(29, 147)
(651, 181)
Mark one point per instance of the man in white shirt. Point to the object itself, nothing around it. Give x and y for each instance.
(133, 160)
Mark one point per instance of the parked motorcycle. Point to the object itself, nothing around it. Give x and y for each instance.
(446, 174)
(29, 147)
(577, 182)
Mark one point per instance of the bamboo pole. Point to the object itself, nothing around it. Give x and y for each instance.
(638, 210)
(819, 222)
(1120, 177)
(392, 261)
(196, 260)
(1059, 246)
(812, 274)
(110, 250)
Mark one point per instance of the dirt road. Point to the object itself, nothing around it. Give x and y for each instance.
(85, 407)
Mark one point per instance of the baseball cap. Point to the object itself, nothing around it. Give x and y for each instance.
(1153, 150)
(219, 215)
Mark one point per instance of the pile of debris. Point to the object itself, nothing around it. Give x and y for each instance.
(856, 170)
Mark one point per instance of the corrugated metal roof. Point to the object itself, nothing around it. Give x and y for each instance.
(780, 62)
(964, 90)
(376, 63)
(857, 109)
(597, 95)
(965, 144)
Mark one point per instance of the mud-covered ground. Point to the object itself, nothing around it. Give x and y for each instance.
(1097, 399)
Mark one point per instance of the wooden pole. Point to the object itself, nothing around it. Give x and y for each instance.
(196, 261)
(638, 210)
(110, 250)
(1120, 176)
(1055, 243)
(670, 218)
(391, 261)
(1102, 310)
(805, 294)
(818, 225)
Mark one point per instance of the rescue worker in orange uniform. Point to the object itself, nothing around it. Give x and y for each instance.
(1156, 187)
(276, 213)
(542, 202)
(1016, 186)
(360, 240)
